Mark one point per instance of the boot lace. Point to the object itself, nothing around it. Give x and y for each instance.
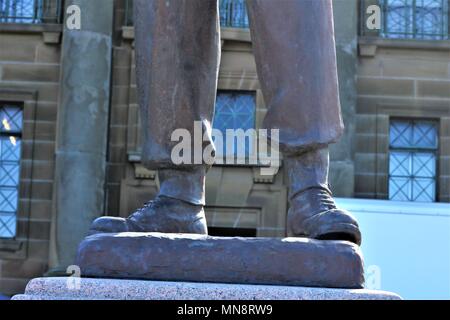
(146, 205)
(326, 200)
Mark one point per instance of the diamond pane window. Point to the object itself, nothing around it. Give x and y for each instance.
(10, 149)
(235, 110)
(30, 11)
(409, 134)
(412, 160)
(416, 19)
(233, 13)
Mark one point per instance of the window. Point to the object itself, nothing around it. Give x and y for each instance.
(10, 150)
(413, 160)
(233, 13)
(30, 11)
(235, 110)
(416, 19)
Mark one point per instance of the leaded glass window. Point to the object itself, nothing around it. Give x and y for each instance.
(235, 110)
(233, 13)
(416, 19)
(10, 150)
(30, 11)
(412, 160)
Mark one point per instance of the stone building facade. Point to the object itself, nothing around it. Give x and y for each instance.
(70, 140)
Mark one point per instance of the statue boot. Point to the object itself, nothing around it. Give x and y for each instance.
(178, 208)
(313, 212)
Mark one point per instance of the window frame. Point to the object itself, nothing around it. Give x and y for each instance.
(415, 35)
(16, 249)
(44, 12)
(19, 135)
(228, 12)
(246, 159)
(435, 151)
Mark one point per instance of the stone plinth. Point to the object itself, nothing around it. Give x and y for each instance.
(111, 289)
(198, 258)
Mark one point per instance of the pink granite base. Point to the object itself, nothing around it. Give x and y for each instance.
(107, 289)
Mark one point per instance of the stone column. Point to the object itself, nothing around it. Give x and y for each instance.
(342, 154)
(81, 143)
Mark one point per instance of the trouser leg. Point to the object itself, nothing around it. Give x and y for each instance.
(294, 47)
(295, 53)
(177, 62)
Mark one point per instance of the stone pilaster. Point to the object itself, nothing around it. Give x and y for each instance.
(342, 153)
(82, 127)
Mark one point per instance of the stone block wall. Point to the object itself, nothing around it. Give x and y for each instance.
(29, 77)
(399, 79)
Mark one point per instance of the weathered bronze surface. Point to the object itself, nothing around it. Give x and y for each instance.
(197, 258)
(159, 215)
(312, 210)
(177, 63)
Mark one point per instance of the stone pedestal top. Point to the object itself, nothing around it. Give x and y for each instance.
(199, 258)
(112, 289)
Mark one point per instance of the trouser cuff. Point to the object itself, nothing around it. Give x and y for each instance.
(185, 185)
(308, 170)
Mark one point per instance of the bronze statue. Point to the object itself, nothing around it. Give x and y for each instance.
(177, 63)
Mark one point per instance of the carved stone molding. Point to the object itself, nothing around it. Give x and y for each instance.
(140, 172)
(260, 178)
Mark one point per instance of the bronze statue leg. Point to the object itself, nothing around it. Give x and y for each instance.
(295, 55)
(177, 57)
(177, 65)
(294, 47)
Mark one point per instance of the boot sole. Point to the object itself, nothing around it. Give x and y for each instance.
(332, 232)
